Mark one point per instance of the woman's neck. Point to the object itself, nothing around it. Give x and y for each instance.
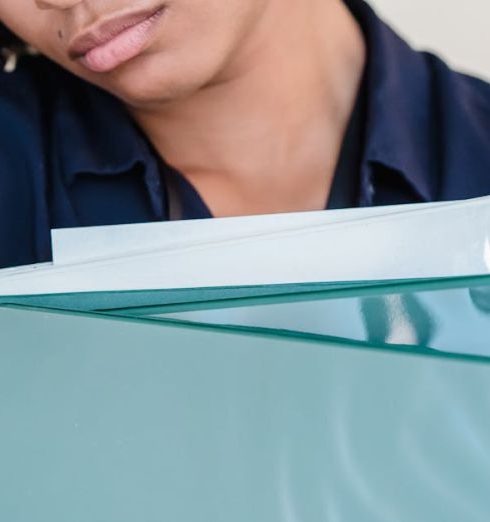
(273, 121)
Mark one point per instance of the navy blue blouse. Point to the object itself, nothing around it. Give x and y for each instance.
(71, 156)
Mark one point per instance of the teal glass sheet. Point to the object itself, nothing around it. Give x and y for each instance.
(135, 301)
(448, 314)
(445, 315)
(115, 420)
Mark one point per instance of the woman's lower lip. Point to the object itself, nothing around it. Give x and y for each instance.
(126, 45)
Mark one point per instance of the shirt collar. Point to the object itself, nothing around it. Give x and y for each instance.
(94, 134)
(398, 127)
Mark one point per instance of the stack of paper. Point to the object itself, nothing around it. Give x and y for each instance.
(401, 242)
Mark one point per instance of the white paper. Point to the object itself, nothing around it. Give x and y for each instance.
(432, 241)
(77, 245)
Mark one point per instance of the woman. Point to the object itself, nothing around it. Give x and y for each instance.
(144, 110)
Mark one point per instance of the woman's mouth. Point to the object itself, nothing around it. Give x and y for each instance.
(115, 41)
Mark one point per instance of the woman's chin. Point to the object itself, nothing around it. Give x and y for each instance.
(150, 81)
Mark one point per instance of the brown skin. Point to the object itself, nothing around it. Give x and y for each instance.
(248, 99)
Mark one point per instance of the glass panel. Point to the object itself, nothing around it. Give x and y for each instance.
(114, 420)
(453, 320)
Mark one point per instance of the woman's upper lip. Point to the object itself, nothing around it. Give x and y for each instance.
(105, 31)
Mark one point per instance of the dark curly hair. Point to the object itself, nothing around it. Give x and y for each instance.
(11, 47)
(7, 38)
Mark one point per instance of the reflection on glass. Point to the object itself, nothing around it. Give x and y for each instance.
(453, 320)
(397, 319)
(481, 298)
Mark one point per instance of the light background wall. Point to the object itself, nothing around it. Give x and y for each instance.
(457, 30)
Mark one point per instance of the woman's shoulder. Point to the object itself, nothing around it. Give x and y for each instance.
(53, 127)
(22, 152)
(19, 101)
(457, 90)
(29, 98)
(460, 123)
(26, 96)
(43, 109)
